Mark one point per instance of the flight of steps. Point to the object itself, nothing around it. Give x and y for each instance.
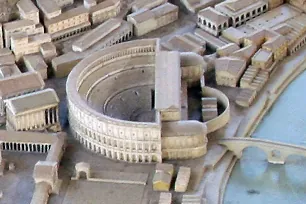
(254, 78)
(251, 83)
(193, 199)
(209, 108)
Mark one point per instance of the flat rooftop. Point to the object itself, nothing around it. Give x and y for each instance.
(66, 15)
(167, 80)
(274, 17)
(29, 102)
(27, 6)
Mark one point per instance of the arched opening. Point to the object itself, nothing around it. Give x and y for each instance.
(295, 170)
(253, 162)
(82, 175)
(276, 153)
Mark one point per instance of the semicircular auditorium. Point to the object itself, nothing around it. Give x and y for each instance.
(125, 102)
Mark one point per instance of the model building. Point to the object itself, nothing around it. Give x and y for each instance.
(152, 101)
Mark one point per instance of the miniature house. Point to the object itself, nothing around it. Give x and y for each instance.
(146, 20)
(161, 181)
(182, 179)
(262, 59)
(212, 21)
(34, 111)
(18, 85)
(35, 62)
(229, 70)
(162, 177)
(165, 167)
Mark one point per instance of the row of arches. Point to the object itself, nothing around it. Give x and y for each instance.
(249, 15)
(126, 52)
(116, 154)
(109, 142)
(119, 132)
(72, 33)
(212, 26)
(274, 154)
(299, 45)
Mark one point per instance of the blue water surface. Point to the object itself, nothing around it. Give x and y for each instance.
(253, 180)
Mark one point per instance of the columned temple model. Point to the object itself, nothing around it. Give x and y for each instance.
(34, 111)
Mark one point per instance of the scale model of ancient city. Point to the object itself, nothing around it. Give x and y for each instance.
(139, 101)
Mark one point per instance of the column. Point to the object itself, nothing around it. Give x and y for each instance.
(1, 152)
(42, 118)
(124, 156)
(47, 117)
(137, 158)
(37, 120)
(33, 120)
(27, 119)
(50, 115)
(54, 115)
(21, 124)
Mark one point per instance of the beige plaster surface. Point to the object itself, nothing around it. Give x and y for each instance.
(75, 151)
(105, 193)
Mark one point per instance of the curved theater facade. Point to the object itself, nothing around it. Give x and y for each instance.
(111, 101)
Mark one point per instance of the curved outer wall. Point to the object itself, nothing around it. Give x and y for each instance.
(184, 139)
(223, 118)
(113, 138)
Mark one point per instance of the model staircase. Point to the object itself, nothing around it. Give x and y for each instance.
(254, 78)
(251, 83)
(193, 199)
